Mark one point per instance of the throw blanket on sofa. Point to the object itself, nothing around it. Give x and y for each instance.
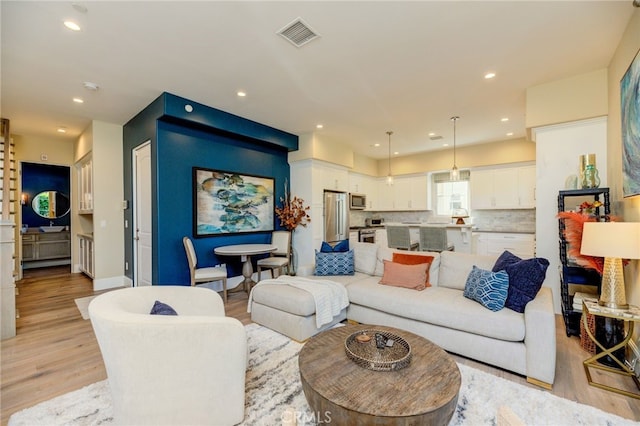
(330, 297)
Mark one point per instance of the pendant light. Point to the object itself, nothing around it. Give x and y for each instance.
(454, 173)
(389, 175)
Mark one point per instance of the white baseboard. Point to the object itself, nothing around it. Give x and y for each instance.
(111, 282)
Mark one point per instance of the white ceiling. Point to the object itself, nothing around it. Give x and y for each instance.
(378, 66)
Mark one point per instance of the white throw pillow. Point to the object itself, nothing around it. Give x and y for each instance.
(365, 257)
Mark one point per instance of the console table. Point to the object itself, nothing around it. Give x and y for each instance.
(630, 315)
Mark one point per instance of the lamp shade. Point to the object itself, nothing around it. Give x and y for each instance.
(611, 239)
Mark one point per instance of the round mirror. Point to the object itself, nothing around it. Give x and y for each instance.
(51, 204)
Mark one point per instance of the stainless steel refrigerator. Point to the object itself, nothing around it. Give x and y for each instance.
(336, 216)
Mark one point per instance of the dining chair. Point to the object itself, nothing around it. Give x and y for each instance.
(280, 258)
(434, 238)
(399, 237)
(204, 275)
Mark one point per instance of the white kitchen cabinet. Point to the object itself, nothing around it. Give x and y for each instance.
(406, 194)
(381, 237)
(367, 185)
(353, 238)
(86, 255)
(527, 187)
(333, 178)
(460, 237)
(504, 188)
(85, 184)
(494, 243)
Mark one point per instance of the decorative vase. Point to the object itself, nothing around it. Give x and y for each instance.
(293, 262)
(590, 178)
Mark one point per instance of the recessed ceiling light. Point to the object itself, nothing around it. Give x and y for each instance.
(510, 134)
(78, 100)
(432, 134)
(319, 126)
(445, 144)
(241, 94)
(376, 145)
(395, 153)
(503, 119)
(90, 86)
(62, 130)
(489, 75)
(72, 25)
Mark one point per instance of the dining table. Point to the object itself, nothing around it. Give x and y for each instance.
(245, 251)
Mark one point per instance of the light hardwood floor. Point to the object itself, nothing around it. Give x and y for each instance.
(55, 350)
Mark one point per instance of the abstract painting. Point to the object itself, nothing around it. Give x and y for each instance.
(630, 112)
(229, 203)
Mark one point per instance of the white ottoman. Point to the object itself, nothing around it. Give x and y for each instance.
(288, 310)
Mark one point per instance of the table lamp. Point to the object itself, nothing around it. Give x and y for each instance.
(614, 241)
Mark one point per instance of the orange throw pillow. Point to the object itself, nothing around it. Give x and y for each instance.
(414, 259)
(407, 276)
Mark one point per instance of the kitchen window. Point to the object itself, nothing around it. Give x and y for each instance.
(450, 195)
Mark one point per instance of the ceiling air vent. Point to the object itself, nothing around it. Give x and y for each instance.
(298, 33)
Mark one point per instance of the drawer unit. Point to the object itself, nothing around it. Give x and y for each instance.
(494, 243)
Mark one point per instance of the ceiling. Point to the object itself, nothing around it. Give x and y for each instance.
(377, 66)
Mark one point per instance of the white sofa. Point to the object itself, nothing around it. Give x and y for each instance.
(522, 343)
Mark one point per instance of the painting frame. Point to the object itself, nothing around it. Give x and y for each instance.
(630, 123)
(231, 203)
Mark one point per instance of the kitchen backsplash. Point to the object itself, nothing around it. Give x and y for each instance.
(486, 220)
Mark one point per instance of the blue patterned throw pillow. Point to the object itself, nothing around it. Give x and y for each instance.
(487, 288)
(525, 278)
(334, 263)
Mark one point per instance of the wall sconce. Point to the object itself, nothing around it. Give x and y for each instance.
(24, 198)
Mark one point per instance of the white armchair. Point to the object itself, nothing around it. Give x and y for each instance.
(171, 370)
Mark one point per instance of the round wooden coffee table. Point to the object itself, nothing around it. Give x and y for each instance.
(424, 393)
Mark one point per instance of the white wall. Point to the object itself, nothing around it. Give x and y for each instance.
(558, 148)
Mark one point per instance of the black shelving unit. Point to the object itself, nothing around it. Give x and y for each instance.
(571, 273)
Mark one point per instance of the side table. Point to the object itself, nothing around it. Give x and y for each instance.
(631, 316)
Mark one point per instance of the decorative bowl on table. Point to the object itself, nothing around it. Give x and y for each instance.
(378, 350)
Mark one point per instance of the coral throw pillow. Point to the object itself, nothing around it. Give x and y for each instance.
(407, 276)
(414, 259)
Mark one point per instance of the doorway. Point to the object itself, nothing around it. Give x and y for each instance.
(45, 219)
(142, 208)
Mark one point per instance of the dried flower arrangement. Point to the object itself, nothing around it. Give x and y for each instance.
(588, 208)
(293, 211)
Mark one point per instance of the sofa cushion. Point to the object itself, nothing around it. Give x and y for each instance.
(407, 259)
(407, 276)
(440, 306)
(487, 288)
(525, 278)
(342, 246)
(365, 257)
(335, 263)
(455, 268)
(386, 253)
(284, 298)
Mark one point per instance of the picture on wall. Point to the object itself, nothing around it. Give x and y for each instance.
(630, 112)
(229, 203)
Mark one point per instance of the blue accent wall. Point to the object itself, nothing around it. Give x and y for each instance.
(38, 177)
(207, 138)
